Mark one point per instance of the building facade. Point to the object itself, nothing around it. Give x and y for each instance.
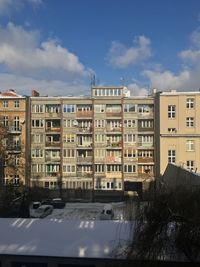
(13, 138)
(177, 131)
(98, 142)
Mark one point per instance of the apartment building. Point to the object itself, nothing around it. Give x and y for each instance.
(97, 142)
(13, 138)
(177, 131)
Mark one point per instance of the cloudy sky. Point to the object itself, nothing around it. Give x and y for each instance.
(57, 46)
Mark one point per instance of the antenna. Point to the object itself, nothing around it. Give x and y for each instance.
(122, 80)
(93, 80)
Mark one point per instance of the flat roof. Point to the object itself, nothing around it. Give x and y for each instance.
(63, 238)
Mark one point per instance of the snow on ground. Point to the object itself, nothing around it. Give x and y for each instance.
(91, 211)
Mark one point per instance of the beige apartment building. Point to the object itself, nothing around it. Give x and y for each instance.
(177, 130)
(98, 142)
(13, 114)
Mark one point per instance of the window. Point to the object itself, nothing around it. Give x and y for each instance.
(190, 145)
(69, 168)
(69, 108)
(129, 108)
(99, 168)
(100, 138)
(144, 108)
(37, 168)
(16, 103)
(5, 103)
(100, 153)
(171, 111)
(190, 103)
(37, 123)
(99, 108)
(129, 138)
(99, 123)
(69, 153)
(129, 168)
(70, 138)
(5, 121)
(130, 153)
(190, 165)
(17, 160)
(37, 153)
(171, 156)
(129, 123)
(172, 130)
(37, 138)
(70, 123)
(16, 179)
(37, 108)
(114, 168)
(190, 122)
(146, 123)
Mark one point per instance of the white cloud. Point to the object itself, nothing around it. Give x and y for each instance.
(23, 85)
(137, 90)
(22, 52)
(120, 56)
(8, 6)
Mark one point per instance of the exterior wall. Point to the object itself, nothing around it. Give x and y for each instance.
(15, 134)
(100, 141)
(178, 138)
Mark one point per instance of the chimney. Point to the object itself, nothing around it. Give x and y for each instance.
(35, 93)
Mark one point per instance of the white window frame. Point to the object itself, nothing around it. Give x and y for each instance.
(171, 156)
(190, 145)
(190, 103)
(190, 122)
(171, 111)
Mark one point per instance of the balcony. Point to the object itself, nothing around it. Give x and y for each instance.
(111, 159)
(53, 129)
(88, 174)
(113, 175)
(87, 130)
(114, 129)
(145, 144)
(84, 160)
(53, 144)
(84, 145)
(52, 114)
(145, 160)
(84, 114)
(114, 144)
(13, 149)
(52, 174)
(113, 114)
(14, 129)
(52, 159)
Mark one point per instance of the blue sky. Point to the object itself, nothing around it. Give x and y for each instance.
(56, 46)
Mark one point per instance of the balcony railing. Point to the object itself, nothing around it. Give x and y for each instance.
(52, 114)
(111, 159)
(14, 129)
(48, 158)
(84, 174)
(84, 159)
(113, 129)
(85, 130)
(145, 144)
(84, 145)
(53, 129)
(53, 144)
(114, 144)
(13, 149)
(145, 160)
(84, 114)
(52, 174)
(113, 114)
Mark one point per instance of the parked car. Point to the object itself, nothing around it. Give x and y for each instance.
(58, 203)
(43, 211)
(33, 207)
(107, 212)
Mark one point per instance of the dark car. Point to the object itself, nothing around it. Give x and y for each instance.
(58, 203)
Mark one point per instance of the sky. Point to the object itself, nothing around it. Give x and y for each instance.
(58, 46)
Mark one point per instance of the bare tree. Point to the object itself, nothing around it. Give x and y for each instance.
(168, 227)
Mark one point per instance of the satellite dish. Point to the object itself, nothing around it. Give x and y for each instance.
(75, 122)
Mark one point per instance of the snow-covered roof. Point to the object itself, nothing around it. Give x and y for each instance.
(9, 94)
(61, 238)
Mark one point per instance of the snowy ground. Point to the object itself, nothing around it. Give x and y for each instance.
(91, 211)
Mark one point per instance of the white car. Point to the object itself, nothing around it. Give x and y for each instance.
(33, 207)
(43, 211)
(107, 212)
